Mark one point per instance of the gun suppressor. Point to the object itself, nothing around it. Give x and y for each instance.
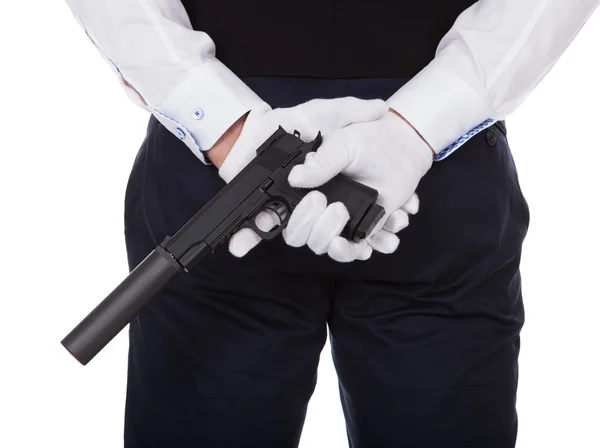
(261, 185)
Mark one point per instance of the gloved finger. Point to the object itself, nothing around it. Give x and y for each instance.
(411, 206)
(397, 221)
(303, 218)
(384, 241)
(246, 239)
(243, 241)
(336, 113)
(320, 166)
(329, 225)
(344, 251)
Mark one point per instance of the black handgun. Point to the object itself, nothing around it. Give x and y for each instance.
(261, 185)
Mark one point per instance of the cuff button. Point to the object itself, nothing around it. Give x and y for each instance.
(181, 134)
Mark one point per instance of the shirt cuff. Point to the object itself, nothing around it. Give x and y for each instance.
(441, 107)
(200, 109)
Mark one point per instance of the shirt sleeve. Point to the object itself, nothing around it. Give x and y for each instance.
(166, 67)
(487, 64)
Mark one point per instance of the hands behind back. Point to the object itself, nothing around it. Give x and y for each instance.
(363, 141)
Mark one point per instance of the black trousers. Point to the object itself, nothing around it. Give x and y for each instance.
(425, 341)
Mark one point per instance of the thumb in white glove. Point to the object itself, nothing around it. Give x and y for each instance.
(310, 118)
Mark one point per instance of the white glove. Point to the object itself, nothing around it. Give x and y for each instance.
(386, 154)
(324, 115)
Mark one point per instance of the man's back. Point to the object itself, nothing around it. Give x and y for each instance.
(330, 39)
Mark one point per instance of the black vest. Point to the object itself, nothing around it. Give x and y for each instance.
(325, 38)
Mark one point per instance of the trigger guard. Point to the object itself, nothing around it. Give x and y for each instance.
(271, 234)
(264, 235)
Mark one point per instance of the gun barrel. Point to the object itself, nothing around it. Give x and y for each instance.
(120, 306)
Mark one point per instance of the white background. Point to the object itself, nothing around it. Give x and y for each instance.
(69, 137)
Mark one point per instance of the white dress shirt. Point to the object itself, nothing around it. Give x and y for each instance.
(491, 59)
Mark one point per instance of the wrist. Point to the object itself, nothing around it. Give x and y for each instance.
(220, 150)
(414, 129)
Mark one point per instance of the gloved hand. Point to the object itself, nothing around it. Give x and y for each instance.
(386, 154)
(324, 115)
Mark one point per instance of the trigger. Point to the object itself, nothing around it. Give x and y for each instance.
(280, 210)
